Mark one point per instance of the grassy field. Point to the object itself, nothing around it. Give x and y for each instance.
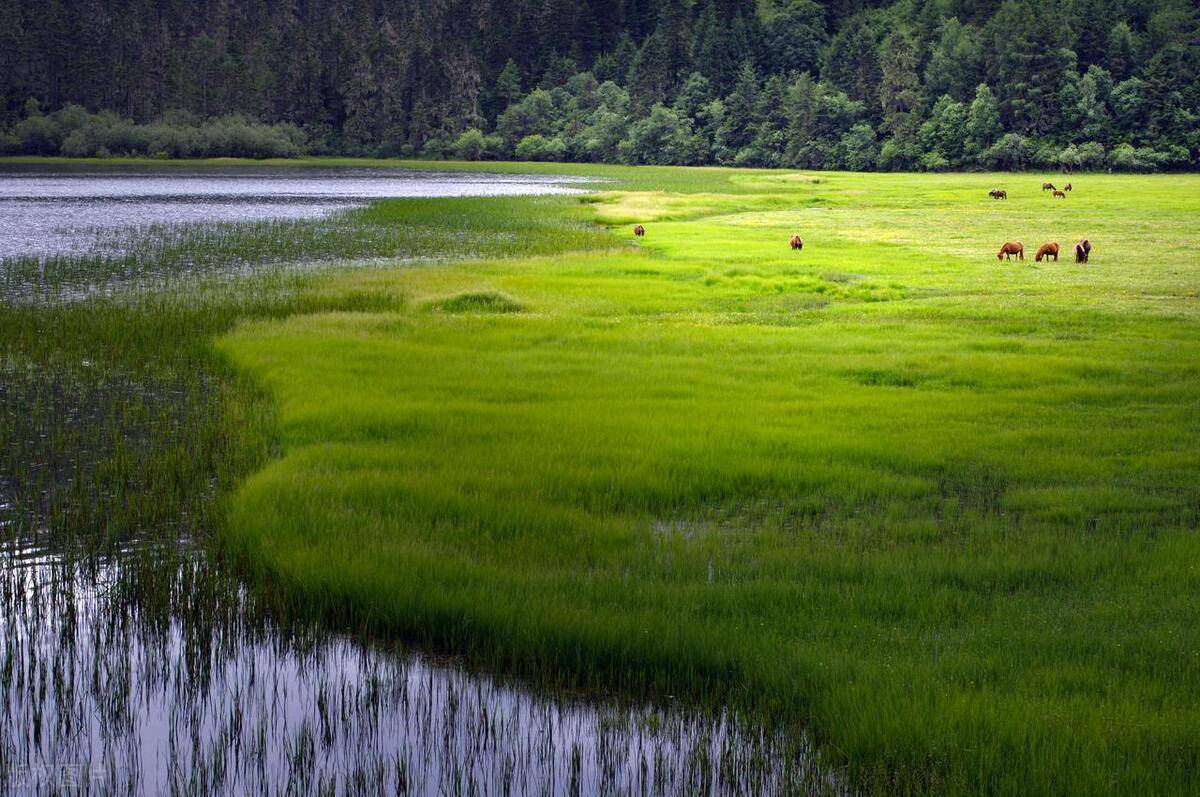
(940, 509)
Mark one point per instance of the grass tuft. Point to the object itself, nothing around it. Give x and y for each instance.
(477, 302)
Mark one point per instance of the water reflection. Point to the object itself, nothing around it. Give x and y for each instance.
(102, 694)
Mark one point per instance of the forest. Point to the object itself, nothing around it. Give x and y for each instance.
(900, 85)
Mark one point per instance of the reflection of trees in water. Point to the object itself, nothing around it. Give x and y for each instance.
(186, 686)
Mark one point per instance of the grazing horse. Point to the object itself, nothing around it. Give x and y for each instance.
(1011, 248)
(639, 231)
(1082, 250)
(1047, 186)
(1067, 187)
(1047, 251)
(998, 193)
(797, 244)
(1059, 194)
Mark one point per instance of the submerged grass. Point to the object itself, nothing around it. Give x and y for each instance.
(124, 433)
(121, 419)
(940, 509)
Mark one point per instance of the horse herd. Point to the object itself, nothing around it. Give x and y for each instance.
(1010, 248)
(1047, 250)
(1000, 193)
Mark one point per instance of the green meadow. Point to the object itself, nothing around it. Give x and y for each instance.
(938, 509)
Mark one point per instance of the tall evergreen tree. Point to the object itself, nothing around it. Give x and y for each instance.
(852, 62)
(983, 122)
(1028, 71)
(1120, 54)
(737, 126)
(955, 64)
(1116, 77)
(795, 36)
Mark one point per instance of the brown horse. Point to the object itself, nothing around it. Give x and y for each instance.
(1011, 248)
(639, 231)
(1047, 251)
(998, 193)
(1067, 187)
(1082, 250)
(1047, 186)
(797, 243)
(1059, 194)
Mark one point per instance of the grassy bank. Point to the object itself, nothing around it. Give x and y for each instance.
(940, 508)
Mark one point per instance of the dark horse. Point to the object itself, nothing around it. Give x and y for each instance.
(1059, 194)
(639, 231)
(1082, 250)
(1047, 251)
(1047, 186)
(998, 193)
(797, 244)
(1067, 187)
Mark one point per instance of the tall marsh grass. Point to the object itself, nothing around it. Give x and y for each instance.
(124, 433)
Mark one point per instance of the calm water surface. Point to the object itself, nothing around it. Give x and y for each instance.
(59, 209)
(102, 696)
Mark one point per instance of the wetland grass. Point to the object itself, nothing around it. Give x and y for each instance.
(115, 403)
(936, 511)
(134, 662)
(156, 257)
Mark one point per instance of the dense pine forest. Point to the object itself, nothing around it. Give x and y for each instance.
(851, 84)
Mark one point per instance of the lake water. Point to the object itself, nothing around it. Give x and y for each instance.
(103, 696)
(59, 210)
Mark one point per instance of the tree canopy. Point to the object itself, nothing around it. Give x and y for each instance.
(892, 84)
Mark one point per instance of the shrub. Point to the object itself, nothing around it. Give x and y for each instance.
(1012, 151)
(1127, 158)
(934, 162)
(471, 145)
(1068, 158)
(857, 150)
(897, 155)
(73, 132)
(37, 135)
(435, 147)
(539, 148)
(1091, 155)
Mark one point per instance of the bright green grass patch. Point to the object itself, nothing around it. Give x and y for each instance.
(938, 508)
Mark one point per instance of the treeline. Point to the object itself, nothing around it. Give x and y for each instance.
(858, 84)
(75, 133)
